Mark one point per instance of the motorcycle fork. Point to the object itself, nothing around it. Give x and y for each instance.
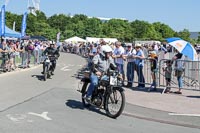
(113, 95)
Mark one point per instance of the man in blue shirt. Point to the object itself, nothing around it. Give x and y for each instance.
(139, 61)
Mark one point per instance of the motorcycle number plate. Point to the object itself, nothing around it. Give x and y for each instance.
(48, 61)
(112, 80)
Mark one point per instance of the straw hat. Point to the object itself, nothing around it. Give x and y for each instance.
(153, 54)
(138, 45)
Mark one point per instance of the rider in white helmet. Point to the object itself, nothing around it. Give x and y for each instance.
(101, 63)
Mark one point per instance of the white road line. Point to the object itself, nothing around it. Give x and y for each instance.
(176, 114)
(63, 68)
(43, 115)
(67, 70)
(16, 117)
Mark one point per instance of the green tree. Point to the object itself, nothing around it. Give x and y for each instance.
(184, 34)
(163, 30)
(144, 30)
(82, 26)
(41, 16)
(93, 28)
(59, 22)
(117, 28)
(11, 18)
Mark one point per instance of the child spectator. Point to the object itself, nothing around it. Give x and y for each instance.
(168, 73)
(153, 59)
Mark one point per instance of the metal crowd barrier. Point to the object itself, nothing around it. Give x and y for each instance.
(190, 76)
(146, 72)
(22, 60)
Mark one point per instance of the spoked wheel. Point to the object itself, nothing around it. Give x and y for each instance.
(84, 92)
(114, 104)
(85, 103)
(49, 74)
(45, 73)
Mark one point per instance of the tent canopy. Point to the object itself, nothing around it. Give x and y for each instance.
(96, 40)
(11, 33)
(75, 39)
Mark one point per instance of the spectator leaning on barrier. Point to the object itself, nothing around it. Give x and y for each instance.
(5, 56)
(11, 56)
(17, 51)
(131, 64)
(31, 48)
(24, 53)
(153, 60)
(37, 52)
(139, 65)
(119, 59)
(179, 69)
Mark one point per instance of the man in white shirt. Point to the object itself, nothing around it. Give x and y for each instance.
(130, 52)
(119, 59)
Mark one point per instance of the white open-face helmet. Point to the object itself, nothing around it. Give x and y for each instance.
(105, 49)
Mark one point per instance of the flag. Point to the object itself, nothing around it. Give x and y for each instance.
(14, 25)
(3, 20)
(23, 27)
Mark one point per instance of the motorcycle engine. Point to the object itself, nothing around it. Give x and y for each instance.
(99, 98)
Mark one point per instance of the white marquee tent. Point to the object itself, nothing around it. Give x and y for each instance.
(108, 40)
(75, 39)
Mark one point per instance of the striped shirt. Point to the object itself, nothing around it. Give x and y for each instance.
(130, 53)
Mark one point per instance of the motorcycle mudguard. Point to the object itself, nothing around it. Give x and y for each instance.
(85, 80)
(84, 87)
(118, 88)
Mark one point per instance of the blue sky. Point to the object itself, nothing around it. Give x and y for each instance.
(178, 14)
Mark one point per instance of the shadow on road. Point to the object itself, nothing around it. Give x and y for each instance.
(158, 90)
(79, 74)
(74, 104)
(78, 105)
(39, 77)
(193, 96)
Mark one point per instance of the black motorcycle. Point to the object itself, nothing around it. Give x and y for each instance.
(48, 67)
(109, 95)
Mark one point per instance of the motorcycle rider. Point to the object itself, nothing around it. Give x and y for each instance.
(100, 64)
(53, 54)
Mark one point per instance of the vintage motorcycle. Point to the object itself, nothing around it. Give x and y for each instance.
(109, 95)
(48, 67)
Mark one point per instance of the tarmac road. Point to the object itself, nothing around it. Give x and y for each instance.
(30, 105)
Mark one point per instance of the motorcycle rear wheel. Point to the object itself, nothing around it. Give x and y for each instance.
(84, 92)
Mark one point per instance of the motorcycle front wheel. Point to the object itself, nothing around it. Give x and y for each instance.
(115, 102)
(45, 73)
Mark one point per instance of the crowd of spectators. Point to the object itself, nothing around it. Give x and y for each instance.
(134, 56)
(16, 54)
